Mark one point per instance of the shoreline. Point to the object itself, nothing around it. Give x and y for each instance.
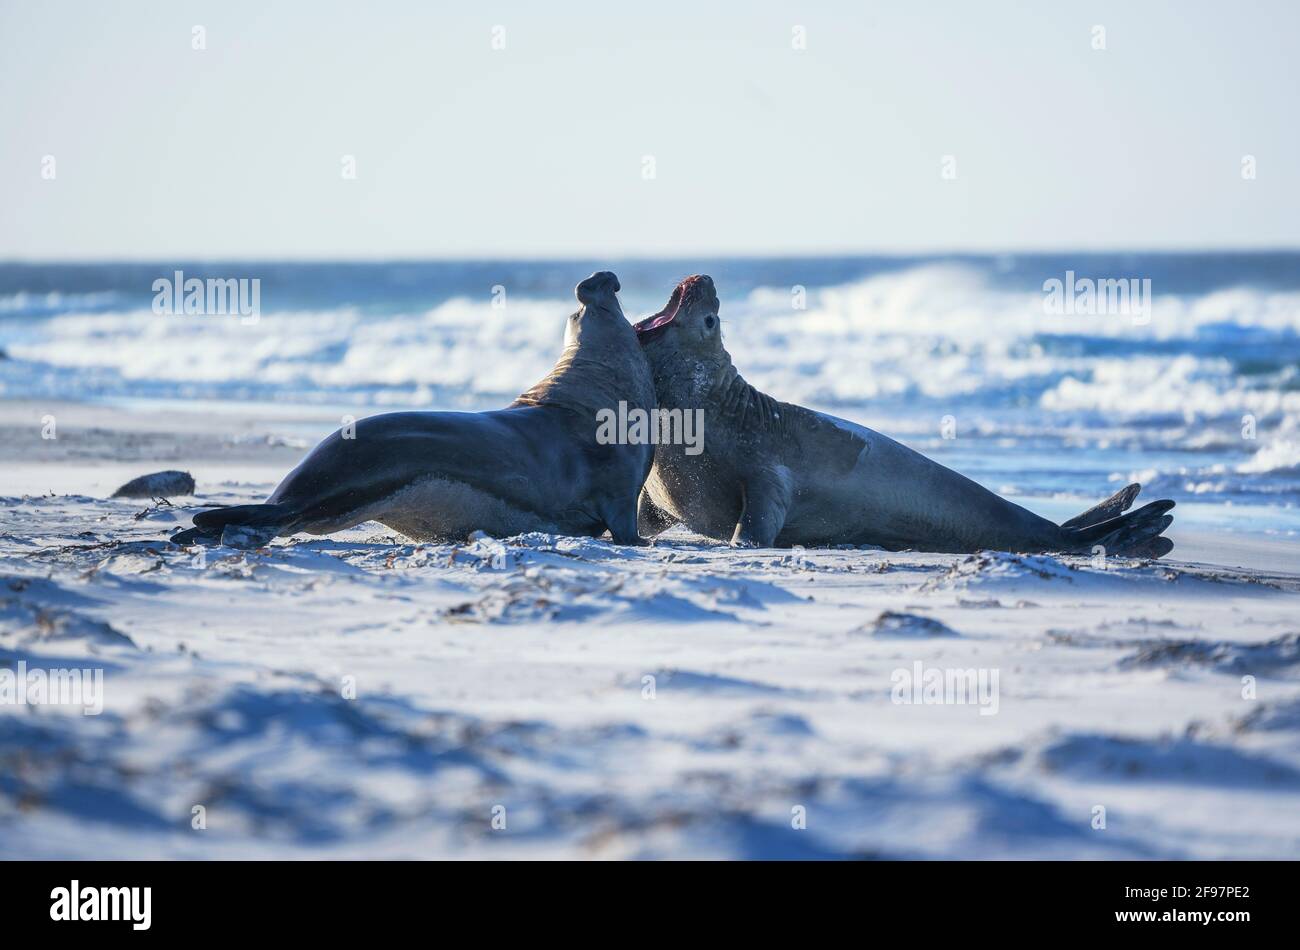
(238, 453)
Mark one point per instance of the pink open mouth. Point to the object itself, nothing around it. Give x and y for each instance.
(651, 326)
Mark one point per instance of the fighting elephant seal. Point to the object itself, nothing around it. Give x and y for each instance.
(776, 474)
(534, 466)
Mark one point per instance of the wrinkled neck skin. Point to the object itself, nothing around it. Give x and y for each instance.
(687, 382)
(602, 365)
(734, 411)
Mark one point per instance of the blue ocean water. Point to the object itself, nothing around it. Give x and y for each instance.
(961, 356)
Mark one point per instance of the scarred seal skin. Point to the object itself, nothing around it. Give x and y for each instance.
(776, 474)
(533, 466)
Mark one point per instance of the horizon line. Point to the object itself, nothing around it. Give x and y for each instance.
(654, 256)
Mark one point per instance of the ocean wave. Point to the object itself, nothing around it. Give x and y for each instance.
(1280, 456)
(943, 336)
(29, 304)
(900, 349)
(458, 347)
(938, 333)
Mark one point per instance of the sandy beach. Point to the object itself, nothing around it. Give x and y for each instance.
(365, 696)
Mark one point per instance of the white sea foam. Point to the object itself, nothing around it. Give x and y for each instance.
(935, 332)
(1277, 456)
(899, 351)
(459, 345)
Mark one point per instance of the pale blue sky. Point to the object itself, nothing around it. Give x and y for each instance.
(536, 150)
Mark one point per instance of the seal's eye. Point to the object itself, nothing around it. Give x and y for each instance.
(708, 323)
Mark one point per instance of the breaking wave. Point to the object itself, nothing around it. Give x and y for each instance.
(1207, 383)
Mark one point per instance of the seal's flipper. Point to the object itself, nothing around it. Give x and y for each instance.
(766, 501)
(261, 516)
(261, 520)
(192, 536)
(1132, 535)
(1155, 548)
(620, 517)
(1112, 507)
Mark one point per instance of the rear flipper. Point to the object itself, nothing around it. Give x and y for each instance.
(1113, 506)
(1136, 534)
(238, 525)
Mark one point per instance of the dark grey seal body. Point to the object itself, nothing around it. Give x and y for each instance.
(776, 474)
(533, 466)
(157, 485)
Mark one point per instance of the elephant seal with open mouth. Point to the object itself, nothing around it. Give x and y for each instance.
(776, 474)
(536, 465)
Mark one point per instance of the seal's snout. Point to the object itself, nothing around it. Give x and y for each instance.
(699, 291)
(597, 286)
(695, 295)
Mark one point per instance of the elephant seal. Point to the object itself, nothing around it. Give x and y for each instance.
(776, 474)
(534, 466)
(157, 485)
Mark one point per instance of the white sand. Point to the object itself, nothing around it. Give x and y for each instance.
(680, 700)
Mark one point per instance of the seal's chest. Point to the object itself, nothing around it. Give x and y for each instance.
(696, 492)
